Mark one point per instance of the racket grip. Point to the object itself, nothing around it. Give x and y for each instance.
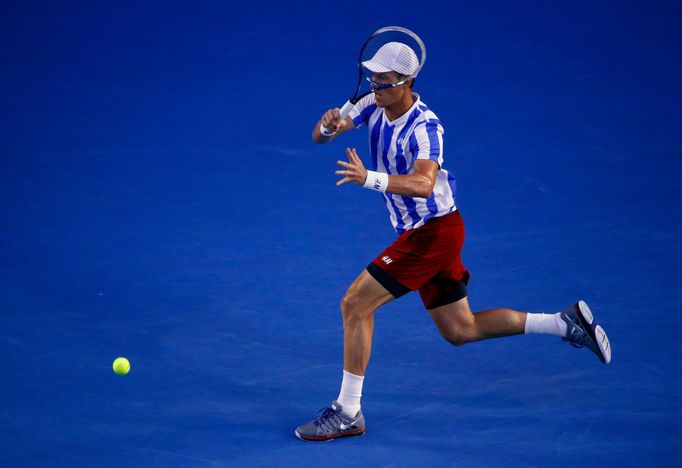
(345, 110)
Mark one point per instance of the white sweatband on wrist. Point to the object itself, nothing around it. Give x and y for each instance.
(325, 132)
(376, 181)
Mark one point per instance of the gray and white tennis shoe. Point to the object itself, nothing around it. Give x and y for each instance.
(584, 331)
(331, 424)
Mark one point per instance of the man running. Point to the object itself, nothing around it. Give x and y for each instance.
(406, 148)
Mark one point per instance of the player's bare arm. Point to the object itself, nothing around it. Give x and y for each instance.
(332, 121)
(418, 184)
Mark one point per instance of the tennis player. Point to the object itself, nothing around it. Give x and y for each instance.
(406, 150)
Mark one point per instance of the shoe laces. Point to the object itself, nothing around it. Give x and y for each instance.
(577, 337)
(327, 419)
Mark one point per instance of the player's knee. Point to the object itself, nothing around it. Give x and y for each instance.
(348, 304)
(459, 336)
(456, 339)
(351, 306)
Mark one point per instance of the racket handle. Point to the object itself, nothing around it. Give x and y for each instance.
(345, 110)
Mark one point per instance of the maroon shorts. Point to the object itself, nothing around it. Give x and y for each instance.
(427, 259)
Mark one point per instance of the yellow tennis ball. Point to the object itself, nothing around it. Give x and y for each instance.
(121, 366)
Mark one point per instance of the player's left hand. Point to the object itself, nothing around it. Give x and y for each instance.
(354, 169)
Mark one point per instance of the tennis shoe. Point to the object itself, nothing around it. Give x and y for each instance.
(331, 424)
(584, 331)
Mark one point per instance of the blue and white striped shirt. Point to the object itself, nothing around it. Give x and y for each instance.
(395, 146)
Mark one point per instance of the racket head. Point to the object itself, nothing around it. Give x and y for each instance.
(391, 57)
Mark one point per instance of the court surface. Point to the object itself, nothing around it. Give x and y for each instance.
(162, 200)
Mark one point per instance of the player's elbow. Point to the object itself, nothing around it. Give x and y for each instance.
(425, 188)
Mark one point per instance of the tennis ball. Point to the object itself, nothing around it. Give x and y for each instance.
(121, 366)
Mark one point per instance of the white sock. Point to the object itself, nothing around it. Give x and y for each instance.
(351, 392)
(548, 324)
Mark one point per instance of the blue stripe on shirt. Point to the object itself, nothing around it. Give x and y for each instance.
(432, 206)
(363, 117)
(414, 146)
(453, 185)
(388, 136)
(374, 144)
(434, 143)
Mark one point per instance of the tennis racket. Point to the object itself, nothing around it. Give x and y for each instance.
(390, 49)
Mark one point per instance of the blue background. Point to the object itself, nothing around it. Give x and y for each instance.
(162, 200)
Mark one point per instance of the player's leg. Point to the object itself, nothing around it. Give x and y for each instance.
(445, 296)
(362, 298)
(344, 417)
(458, 325)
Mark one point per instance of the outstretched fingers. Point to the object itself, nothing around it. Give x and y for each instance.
(353, 170)
(353, 155)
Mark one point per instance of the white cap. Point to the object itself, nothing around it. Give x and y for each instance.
(393, 56)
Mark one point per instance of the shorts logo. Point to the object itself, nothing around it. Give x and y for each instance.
(387, 260)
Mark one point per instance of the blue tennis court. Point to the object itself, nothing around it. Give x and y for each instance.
(162, 200)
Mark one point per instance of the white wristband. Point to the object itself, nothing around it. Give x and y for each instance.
(376, 181)
(325, 132)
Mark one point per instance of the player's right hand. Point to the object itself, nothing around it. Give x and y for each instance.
(332, 120)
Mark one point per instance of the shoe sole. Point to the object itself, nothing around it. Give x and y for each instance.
(355, 433)
(595, 331)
